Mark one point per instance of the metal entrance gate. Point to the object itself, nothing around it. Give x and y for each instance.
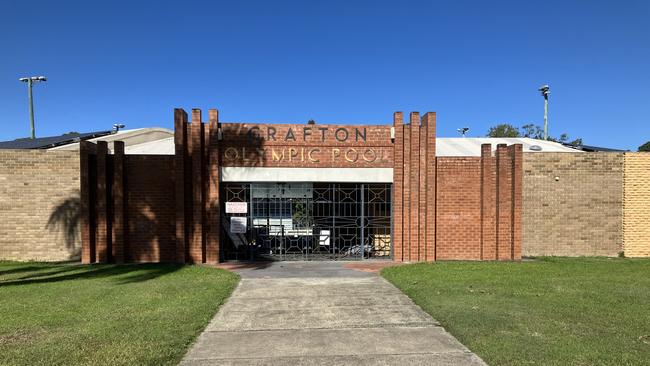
(306, 221)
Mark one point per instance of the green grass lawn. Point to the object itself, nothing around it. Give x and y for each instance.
(54, 314)
(550, 311)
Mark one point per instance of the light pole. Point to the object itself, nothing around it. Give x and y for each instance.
(462, 131)
(31, 80)
(545, 90)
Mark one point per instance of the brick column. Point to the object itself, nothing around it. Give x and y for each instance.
(517, 177)
(196, 247)
(102, 204)
(429, 125)
(180, 143)
(398, 186)
(406, 197)
(504, 202)
(422, 194)
(205, 226)
(87, 184)
(119, 228)
(414, 244)
(488, 204)
(213, 207)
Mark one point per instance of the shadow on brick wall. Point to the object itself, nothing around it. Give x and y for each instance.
(65, 219)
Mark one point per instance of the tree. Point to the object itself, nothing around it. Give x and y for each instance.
(645, 147)
(503, 130)
(529, 130)
(533, 131)
(576, 142)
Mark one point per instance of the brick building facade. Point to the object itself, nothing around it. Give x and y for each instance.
(307, 191)
(572, 204)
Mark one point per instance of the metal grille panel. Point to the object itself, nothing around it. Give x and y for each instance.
(309, 221)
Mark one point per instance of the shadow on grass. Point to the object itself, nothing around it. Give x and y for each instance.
(20, 269)
(244, 265)
(121, 274)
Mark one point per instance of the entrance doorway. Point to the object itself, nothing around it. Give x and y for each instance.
(306, 221)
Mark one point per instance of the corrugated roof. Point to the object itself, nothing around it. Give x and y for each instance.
(445, 146)
(159, 147)
(471, 146)
(129, 137)
(50, 141)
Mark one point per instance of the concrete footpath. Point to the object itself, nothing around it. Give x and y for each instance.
(322, 313)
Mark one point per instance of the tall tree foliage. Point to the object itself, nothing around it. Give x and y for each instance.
(503, 130)
(645, 147)
(530, 130)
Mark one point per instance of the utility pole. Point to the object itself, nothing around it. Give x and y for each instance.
(30, 81)
(545, 90)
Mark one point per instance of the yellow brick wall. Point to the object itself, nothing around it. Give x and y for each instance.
(39, 205)
(636, 205)
(572, 204)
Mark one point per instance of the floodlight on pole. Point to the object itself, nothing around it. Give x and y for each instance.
(545, 90)
(30, 81)
(462, 131)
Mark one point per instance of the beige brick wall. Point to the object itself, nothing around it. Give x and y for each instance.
(580, 214)
(636, 204)
(39, 205)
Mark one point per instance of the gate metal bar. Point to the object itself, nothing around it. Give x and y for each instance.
(331, 221)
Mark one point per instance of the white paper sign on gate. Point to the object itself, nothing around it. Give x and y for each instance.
(238, 225)
(324, 238)
(236, 207)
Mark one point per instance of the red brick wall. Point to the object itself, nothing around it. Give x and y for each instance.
(150, 214)
(458, 216)
(443, 208)
(478, 205)
(316, 146)
(414, 188)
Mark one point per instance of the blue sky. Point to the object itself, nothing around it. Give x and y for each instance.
(476, 63)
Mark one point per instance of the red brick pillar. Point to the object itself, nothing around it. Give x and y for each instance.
(119, 235)
(398, 187)
(422, 191)
(488, 204)
(406, 197)
(180, 142)
(504, 202)
(517, 177)
(196, 246)
(102, 203)
(213, 209)
(87, 184)
(429, 126)
(414, 244)
(205, 164)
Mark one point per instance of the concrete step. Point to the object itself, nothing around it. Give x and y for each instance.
(316, 343)
(296, 303)
(430, 359)
(332, 317)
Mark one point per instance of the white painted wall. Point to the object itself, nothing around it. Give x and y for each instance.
(341, 175)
